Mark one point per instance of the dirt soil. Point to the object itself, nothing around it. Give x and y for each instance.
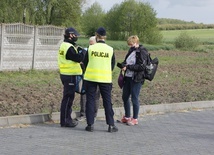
(174, 82)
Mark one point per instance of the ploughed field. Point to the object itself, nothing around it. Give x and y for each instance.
(181, 77)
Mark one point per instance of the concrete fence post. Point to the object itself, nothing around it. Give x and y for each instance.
(34, 46)
(1, 45)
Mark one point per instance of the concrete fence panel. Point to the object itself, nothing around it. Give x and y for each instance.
(24, 47)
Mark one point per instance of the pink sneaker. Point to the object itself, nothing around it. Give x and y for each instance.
(132, 122)
(125, 119)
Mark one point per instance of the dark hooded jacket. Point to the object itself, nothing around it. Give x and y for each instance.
(140, 65)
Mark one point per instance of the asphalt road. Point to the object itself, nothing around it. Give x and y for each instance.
(177, 133)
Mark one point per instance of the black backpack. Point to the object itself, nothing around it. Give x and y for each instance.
(151, 67)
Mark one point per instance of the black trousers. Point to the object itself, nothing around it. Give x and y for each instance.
(68, 82)
(83, 103)
(105, 91)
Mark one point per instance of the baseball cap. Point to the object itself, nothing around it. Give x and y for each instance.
(70, 31)
(101, 31)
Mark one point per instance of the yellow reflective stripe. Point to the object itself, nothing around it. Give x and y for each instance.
(98, 71)
(74, 68)
(98, 77)
(67, 65)
(65, 73)
(71, 70)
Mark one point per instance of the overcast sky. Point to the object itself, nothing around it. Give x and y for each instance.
(199, 11)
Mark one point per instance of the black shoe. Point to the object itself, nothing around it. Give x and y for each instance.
(89, 128)
(71, 124)
(112, 128)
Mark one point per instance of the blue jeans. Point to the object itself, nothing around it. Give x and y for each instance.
(132, 89)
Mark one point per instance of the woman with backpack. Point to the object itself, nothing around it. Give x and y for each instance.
(134, 68)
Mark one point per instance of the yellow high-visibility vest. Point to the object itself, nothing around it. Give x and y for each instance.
(99, 63)
(67, 67)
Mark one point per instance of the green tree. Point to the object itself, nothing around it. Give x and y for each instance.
(112, 23)
(10, 11)
(65, 12)
(3, 11)
(16, 11)
(92, 18)
(133, 18)
(40, 12)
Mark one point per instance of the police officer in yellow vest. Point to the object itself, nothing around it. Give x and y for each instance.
(100, 62)
(69, 65)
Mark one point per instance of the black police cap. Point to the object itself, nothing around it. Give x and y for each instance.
(101, 31)
(71, 30)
